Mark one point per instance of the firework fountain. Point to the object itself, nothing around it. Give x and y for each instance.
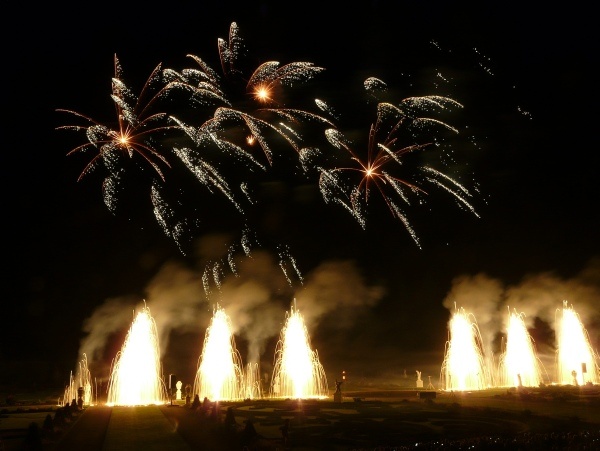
(81, 380)
(464, 366)
(219, 376)
(136, 371)
(252, 388)
(519, 364)
(577, 362)
(297, 371)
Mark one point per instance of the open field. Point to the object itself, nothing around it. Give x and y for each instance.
(562, 417)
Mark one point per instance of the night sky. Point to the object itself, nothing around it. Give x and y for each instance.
(374, 302)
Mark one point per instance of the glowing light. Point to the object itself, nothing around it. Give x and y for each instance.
(82, 379)
(574, 350)
(262, 93)
(252, 383)
(136, 377)
(219, 376)
(519, 365)
(464, 365)
(297, 371)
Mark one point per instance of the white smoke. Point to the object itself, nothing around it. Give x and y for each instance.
(538, 296)
(253, 290)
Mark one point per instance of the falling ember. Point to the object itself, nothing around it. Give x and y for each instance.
(577, 363)
(219, 376)
(519, 365)
(297, 371)
(136, 371)
(252, 384)
(464, 366)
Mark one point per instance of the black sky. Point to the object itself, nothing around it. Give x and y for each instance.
(74, 270)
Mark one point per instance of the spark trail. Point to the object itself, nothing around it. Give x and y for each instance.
(382, 165)
(464, 366)
(297, 372)
(575, 353)
(220, 372)
(136, 373)
(519, 364)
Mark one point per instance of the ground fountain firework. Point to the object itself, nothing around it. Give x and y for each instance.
(297, 372)
(252, 382)
(577, 362)
(464, 366)
(136, 373)
(220, 371)
(82, 380)
(519, 364)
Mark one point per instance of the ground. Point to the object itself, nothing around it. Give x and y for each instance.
(365, 419)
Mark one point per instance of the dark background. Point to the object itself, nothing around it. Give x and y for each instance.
(527, 80)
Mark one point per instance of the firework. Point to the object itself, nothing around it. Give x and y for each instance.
(252, 383)
(519, 364)
(577, 362)
(297, 372)
(464, 366)
(247, 112)
(136, 374)
(385, 157)
(220, 372)
(136, 126)
(81, 380)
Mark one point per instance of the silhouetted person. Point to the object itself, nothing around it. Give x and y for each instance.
(196, 402)
(285, 431)
(33, 438)
(214, 413)
(249, 434)
(229, 423)
(205, 408)
(67, 411)
(59, 418)
(48, 426)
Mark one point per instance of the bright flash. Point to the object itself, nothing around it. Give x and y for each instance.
(262, 93)
(298, 372)
(575, 353)
(219, 376)
(464, 366)
(136, 376)
(520, 365)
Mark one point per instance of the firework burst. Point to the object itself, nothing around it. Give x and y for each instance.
(382, 167)
(135, 133)
(248, 110)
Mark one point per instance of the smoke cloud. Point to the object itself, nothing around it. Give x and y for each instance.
(254, 289)
(538, 296)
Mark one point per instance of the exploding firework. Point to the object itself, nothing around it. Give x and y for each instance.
(385, 154)
(220, 372)
(136, 373)
(297, 372)
(134, 135)
(464, 366)
(82, 380)
(577, 362)
(520, 365)
(247, 112)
